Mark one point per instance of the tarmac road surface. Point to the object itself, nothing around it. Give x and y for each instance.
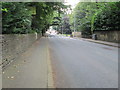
(83, 64)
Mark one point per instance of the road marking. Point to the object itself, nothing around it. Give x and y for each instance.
(50, 72)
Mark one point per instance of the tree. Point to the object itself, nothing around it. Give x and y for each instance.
(90, 16)
(108, 17)
(65, 25)
(25, 17)
(16, 18)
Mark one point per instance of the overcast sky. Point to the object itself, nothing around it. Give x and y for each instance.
(72, 2)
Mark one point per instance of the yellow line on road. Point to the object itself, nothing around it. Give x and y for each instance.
(50, 71)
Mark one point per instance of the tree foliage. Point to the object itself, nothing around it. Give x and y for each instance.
(26, 17)
(90, 16)
(108, 18)
(65, 25)
(16, 18)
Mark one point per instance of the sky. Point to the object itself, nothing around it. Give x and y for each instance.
(72, 2)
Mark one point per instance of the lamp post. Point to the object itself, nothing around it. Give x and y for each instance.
(74, 23)
(74, 26)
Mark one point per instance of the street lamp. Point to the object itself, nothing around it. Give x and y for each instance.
(74, 26)
(74, 22)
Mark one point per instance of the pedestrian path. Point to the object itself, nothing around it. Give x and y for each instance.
(102, 42)
(30, 70)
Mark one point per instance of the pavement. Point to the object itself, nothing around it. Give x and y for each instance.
(0, 76)
(101, 42)
(0, 61)
(78, 63)
(30, 70)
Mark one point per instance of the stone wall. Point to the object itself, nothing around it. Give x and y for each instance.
(106, 35)
(15, 44)
(76, 34)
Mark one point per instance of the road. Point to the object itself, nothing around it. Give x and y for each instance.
(82, 64)
(75, 64)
